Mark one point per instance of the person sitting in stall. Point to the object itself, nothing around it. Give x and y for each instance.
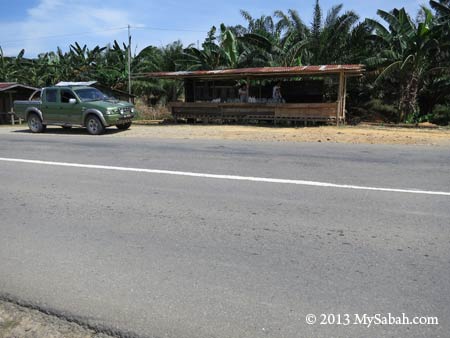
(243, 92)
(276, 93)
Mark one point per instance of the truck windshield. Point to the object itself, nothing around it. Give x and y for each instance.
(90, 94)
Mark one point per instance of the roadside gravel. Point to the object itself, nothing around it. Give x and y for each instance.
(20, 322)
(327, 134)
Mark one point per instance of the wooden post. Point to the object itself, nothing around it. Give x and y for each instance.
(344, 99)
(341, 90)
(11, 108)
(248, 88)
(193, 85)
(260, 85)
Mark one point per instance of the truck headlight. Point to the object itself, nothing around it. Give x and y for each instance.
(112, 111)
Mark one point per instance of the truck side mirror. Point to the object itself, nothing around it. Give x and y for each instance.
(72, 101)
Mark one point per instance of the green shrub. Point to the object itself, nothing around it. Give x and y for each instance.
(440, 115)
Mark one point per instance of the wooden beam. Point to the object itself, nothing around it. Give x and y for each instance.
(11, 102)
(344, 98)
(195, 88)
(248, 87)
(341, 91)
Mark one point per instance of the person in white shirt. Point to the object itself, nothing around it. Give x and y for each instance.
(276, 93)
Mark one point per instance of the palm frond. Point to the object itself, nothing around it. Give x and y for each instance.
(388, 71)
(440, 8)
(333, 15)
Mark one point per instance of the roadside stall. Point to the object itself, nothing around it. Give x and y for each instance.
(308, 93)
(10, 91)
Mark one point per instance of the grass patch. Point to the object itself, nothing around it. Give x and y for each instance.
(146, 113)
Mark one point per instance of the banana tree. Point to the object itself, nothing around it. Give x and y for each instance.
(7, 70)
(229, 44)
(111, 66)
(406, 53)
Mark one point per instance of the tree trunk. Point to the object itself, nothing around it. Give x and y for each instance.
(408, 100)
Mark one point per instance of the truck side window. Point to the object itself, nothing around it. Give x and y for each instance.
(50, 95)
(66, 95)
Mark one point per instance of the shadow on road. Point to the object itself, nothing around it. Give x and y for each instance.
(71, 131)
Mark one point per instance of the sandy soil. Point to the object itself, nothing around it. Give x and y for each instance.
(21, 322)
(333, 134)
(347, 134)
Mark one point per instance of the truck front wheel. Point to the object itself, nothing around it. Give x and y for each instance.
(35, 123)
(94, 126)
(124, 126)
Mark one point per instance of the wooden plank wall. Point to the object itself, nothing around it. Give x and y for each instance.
(255, 111)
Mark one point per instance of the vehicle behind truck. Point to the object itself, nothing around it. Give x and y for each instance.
(75, 106)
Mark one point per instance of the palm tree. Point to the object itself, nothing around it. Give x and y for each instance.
(329, 38)
(295, 38)
(326, 40)
(263, 43)
(153, 59)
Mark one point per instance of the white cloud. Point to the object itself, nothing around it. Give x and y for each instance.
(44, 7)
(63, 22)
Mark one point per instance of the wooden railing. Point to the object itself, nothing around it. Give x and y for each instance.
(327, 112)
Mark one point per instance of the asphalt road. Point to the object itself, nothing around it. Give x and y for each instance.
(157, 255)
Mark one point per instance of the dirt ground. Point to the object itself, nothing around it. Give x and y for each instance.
(21, 322)
(362, 134)
(333, 134)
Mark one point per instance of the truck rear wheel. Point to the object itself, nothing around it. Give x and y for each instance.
(35, 123)
(94, 126)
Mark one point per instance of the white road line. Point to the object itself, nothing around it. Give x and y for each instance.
(225, 177)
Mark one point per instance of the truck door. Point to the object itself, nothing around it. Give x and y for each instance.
(70, 112)
(50, 105)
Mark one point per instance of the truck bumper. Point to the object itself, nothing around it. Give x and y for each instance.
(113, 120)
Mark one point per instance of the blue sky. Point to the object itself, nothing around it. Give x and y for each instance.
(42, 25)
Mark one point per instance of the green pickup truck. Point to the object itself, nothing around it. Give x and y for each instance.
(75, 106)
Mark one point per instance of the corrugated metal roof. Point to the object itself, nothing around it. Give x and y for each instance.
(351, 70)
(6, 85)
(10, 85)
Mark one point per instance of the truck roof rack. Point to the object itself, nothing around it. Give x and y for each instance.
(75, 84)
